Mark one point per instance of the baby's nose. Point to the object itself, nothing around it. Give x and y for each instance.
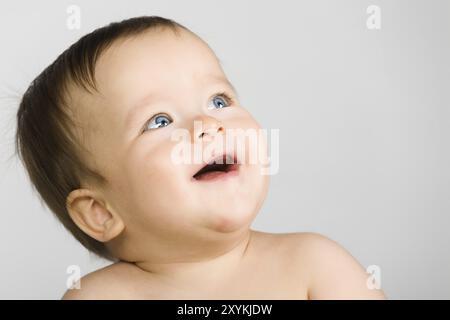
(206, 125)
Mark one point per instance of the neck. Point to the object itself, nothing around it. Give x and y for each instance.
(212, 268)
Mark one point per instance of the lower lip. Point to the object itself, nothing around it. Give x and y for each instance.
(218, 175)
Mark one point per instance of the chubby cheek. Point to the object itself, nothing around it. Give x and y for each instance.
(253, 148)
(256, 162)
(158, 189)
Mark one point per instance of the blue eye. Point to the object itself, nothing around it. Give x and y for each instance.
(158, 121)
(221, 100)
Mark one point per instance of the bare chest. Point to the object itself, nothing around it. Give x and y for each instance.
(270, 281)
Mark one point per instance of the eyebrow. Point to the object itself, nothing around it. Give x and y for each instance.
(148, 99)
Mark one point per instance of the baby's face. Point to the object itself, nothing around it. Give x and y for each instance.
(180, 79)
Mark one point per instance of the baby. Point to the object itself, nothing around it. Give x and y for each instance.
(97, 134)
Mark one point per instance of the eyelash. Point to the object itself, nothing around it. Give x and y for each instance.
(228, 99)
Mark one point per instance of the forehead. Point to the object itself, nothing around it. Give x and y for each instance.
(158, 62)
(154, 61)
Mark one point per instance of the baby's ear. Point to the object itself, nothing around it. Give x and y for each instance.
(91, 215)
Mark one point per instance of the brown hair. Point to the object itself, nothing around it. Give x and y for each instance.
(45, 140)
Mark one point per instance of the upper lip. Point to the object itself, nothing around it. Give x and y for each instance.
(224, 156)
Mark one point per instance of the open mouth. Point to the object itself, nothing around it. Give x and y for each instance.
(219, 167)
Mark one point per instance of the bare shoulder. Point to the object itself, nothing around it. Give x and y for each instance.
(109, 282)
(334, 272)
(331, 272)
(298, 244)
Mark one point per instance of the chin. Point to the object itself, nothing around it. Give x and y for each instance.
(232, 220)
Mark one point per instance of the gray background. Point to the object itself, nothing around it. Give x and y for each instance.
(363, 117)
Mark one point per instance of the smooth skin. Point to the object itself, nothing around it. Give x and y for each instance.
(177, 238)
